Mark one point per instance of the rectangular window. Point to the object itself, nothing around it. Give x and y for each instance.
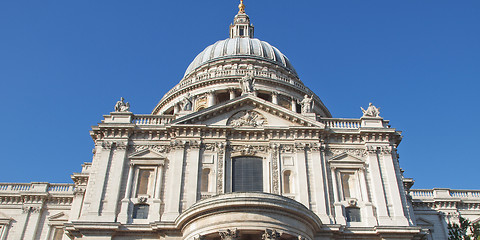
(247, 174)
(352, 214)
(140, 211)
(241, 32)
(145, 182)
(58, 234)
(348, 185)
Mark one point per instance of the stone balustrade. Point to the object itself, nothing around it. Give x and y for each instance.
(342, 123)
(444, 193)
(152, 119)
(36, 187)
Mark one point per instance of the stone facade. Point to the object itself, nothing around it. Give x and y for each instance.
(239, 149)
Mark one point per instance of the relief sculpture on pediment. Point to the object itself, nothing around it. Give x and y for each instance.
(247, 119)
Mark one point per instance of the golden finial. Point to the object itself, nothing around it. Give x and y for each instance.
(241, 7)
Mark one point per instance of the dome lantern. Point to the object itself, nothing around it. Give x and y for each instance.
(241, 27)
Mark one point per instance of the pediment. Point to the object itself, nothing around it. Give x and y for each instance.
(146, 154)
(346, 157)
(58, 217)
(476, 220)
(264, 114)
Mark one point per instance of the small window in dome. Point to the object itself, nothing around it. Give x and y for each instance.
(241, 31)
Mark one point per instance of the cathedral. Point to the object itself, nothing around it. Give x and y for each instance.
(240, 148)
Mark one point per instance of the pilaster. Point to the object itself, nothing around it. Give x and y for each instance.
(174, 187)
(191, 186)
(378, 191)
(321, 194)
(302, 194)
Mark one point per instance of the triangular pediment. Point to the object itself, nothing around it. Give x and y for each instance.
(59, 217)
(146, 154)
(265, 114)
(346, 157)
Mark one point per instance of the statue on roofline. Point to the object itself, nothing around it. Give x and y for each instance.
(247, 84)
(371, 111)
(121, 106)
(306, 104)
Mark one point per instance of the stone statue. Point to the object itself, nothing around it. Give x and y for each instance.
(371, 111)
(122, 106)
(187, 103)
(247, 84)
(306, 104)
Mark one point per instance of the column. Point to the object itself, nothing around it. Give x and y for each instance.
(338, 207)
(274, 97)
(191, 183)
(157, 202)
(319, 186)
(211, 98)
(95, 184)
(271, 234)
(172, 200)
(123, 216)
(398, 202)
(294, 105)
(176, 108)
(378, 193)
(228, 234)
(112, 197)
(232, 93)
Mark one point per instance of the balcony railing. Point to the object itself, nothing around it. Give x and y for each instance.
(36, 187)
(343, 123)
(444, 193)
(152, 119)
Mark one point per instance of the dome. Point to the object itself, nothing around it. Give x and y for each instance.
(238, 48)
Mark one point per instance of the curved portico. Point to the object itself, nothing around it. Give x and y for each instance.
(248, 214)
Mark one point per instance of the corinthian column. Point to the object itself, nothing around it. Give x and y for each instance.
(271, 234)
(229, 234)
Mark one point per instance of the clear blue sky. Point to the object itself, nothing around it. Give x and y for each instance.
(64, 64)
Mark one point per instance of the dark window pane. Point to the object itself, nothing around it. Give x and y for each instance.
(247, 174)
(352, 214)
(140, 211)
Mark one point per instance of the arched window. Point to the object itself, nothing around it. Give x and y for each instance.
(140, 211)
(352, 214)
(205, 180)
(287, 182)
(247, 174)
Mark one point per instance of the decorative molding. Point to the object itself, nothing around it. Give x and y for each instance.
(378, 149)
(275, 171)
(221, 158)
(352, 151)
(156, 148)
(248, 149)
(271, 234)
(229, 234)
(31, 209)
